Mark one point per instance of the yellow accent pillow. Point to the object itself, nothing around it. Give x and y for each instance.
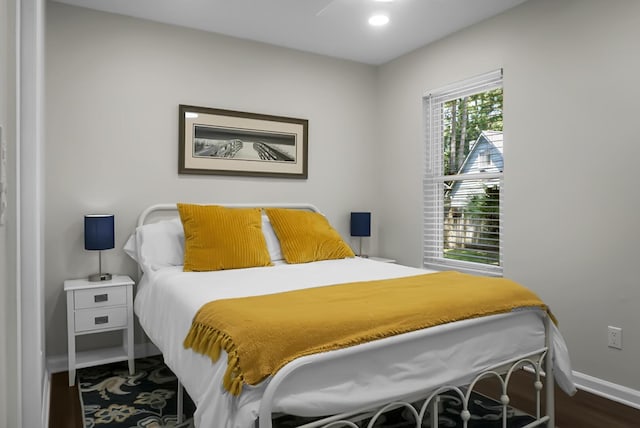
(306, 236)
(217, 238)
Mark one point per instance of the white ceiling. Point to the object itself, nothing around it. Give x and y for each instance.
(336, 28)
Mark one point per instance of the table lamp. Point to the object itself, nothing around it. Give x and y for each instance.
(98, 236)
(360, 227)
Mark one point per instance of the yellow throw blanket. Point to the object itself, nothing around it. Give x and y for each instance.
(263, 333)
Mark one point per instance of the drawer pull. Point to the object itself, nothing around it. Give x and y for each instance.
(100, 298)
(101, 320)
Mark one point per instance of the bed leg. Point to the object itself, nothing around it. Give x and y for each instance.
(434, 411)
(180, 403)
(550, 392)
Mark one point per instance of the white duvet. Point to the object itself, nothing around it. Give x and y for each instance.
(168, 299)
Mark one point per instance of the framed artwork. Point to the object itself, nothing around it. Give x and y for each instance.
(227, 142)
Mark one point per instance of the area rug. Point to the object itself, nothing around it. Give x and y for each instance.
(112, 398)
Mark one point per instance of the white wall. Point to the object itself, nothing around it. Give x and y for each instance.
(571, 152)
(113, 89)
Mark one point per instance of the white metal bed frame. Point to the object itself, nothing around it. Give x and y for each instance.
(539, 361)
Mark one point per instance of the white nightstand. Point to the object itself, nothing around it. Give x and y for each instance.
(381, 259)
(96, 307)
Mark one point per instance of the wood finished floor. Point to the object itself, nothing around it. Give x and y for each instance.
(583, 410)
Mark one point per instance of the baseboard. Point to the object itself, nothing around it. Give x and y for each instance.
(603, 388)
(60, 363)
(609, 390)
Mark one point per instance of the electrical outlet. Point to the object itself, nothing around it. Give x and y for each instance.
(615, 337)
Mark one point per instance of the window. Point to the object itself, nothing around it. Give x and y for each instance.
(464, 176)
(484, 159)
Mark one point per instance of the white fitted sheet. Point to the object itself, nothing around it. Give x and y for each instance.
(168, 299)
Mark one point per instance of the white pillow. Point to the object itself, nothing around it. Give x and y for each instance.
(273, 244)
(131, 247)
(157, 245)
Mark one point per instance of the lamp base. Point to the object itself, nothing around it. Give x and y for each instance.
(96, 277)
(364, 256)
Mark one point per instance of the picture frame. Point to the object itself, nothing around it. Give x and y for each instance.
(228, 142)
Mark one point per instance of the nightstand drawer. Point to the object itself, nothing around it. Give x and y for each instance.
(95, 319)
(99, 297)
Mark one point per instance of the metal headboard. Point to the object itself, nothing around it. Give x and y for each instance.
(142, 218)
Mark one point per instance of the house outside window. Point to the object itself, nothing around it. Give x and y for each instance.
(464, 176)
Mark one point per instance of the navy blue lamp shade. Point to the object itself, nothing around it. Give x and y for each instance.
(99, 234)
(361, 226)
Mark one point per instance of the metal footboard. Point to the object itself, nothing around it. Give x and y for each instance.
(540, 362)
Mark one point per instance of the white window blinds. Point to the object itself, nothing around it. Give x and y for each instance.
(463, 179)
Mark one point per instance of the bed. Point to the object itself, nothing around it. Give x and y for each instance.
(338, 385)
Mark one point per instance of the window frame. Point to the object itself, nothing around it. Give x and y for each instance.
(435, 178)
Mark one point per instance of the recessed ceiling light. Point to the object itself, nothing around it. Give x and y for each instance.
(378, 20)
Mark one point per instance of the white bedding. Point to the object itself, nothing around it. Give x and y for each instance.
(167, 300)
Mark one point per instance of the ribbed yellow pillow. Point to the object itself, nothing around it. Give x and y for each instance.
(306, 236)
(217, 238)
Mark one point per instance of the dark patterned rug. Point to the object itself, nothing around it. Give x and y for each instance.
(111, 398)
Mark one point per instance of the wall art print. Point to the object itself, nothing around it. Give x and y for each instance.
(227, 142)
